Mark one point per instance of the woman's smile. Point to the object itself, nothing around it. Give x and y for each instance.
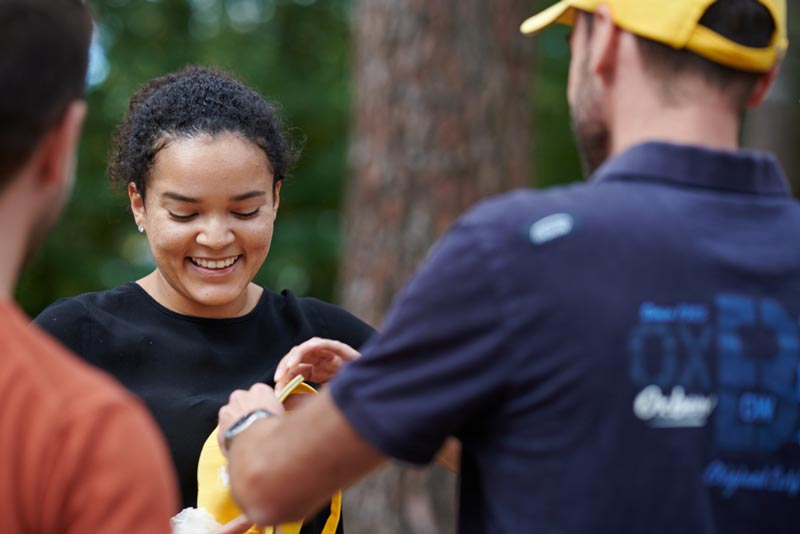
(214, 264)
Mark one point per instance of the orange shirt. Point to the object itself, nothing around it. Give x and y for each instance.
(78, 455)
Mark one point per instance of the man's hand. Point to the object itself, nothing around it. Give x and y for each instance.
(318, 360)
(241, 403)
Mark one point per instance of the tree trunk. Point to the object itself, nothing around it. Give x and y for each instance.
(441, 121)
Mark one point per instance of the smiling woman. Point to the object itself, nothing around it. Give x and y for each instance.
(209, 217)
(202, 157)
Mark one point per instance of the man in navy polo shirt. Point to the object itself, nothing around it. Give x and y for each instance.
(615, 357)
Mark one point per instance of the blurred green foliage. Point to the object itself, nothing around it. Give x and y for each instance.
(296, 53)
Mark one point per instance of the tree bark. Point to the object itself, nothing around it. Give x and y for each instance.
(441, 120)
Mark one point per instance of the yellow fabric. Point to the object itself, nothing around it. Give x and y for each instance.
(214, 488)
(676, 23)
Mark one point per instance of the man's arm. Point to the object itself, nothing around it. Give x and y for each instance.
(284, 468)
(319, 360)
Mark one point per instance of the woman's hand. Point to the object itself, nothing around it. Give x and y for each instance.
(318, 360)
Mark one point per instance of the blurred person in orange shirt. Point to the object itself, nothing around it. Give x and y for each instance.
(79, 454)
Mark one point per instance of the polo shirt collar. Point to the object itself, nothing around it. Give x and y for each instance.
(742, 171)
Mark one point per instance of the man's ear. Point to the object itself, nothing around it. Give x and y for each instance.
(137, 204)
(57, 153)
(603, 43)
(763, 86)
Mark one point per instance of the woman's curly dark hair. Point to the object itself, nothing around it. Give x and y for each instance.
(192, 102)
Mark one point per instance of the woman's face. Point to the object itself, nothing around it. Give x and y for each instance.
(209, 216)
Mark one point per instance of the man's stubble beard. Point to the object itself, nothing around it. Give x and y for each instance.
(592, 135)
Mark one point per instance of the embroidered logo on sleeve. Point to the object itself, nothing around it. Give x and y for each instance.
(551, 227)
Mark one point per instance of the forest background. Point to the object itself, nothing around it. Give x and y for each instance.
(410, 110)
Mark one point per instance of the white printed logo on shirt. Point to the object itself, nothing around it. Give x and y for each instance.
(674, 410)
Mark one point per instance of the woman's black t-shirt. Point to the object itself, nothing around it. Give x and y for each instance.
(184, 368)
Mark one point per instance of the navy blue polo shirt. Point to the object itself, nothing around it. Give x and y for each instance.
(616, 357)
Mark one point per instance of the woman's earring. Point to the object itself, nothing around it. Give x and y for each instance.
(141, 229)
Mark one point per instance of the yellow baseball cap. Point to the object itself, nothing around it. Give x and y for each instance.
(676, 23)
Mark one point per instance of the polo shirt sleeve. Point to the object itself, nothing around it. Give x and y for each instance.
(439, 359)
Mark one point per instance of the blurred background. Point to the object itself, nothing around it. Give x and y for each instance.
(411, 111)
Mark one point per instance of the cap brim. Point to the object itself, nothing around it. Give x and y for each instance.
(548, 17)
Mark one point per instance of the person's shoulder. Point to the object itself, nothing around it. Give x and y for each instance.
(326, 310)
(320, 306)
(288, 298)
(75, 421)
(326, 319)
(48, 371)
(506, 220)
(70, 309)
(524, 204)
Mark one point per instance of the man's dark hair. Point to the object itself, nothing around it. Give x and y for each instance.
(193, 102)
(746, 22)
(44, 54)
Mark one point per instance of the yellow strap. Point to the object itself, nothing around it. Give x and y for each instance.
(717, 48)
(293, 384)
(336, 514)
